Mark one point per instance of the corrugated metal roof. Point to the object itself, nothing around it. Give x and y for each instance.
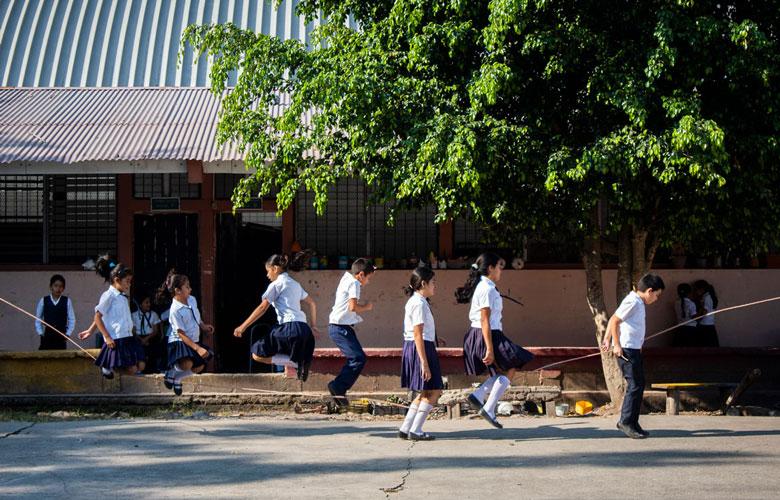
(123, 43)
(112, 124)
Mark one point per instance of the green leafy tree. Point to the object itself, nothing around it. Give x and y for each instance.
(625, 125)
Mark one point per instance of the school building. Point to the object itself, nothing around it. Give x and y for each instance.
(107, 144)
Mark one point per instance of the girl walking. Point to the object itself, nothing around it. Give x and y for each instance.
(420, 370)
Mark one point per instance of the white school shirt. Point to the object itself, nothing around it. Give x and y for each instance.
(418, 312)
(144, 322)
(349, 288)
(184, 317)
(286, 294)
(486, 295)
(708, 308)
(39, 313)
(685, 309)
(115, 308)
(632, 321)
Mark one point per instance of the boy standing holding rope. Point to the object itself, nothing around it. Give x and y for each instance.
(629, 320)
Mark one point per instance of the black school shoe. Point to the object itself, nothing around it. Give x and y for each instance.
(303, 371)
(403, 435)
(492, 420)
(420, 437)
(168, 381)
(630, 431)
(177, 389)
(340, 399)
(640, 430)
(107, 376)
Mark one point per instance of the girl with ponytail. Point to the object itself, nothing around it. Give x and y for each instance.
(420, 369)
(485, 347)
(291, 342)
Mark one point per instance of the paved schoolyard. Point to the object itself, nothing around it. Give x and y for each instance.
(318, 457)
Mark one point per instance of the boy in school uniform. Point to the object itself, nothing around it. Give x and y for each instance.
(626, 333)
(343, 317)
(55, 309)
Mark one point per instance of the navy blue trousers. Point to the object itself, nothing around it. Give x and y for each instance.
(634, 373)
(344, 337)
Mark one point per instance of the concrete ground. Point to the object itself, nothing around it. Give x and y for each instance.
(289, 456)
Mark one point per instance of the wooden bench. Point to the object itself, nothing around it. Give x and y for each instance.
(455, 399)
(673, 392)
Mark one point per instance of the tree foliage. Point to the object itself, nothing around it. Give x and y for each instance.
(523, 114)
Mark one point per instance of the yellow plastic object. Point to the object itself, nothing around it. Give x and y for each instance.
(583, 407)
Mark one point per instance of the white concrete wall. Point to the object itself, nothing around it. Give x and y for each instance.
(555, 312)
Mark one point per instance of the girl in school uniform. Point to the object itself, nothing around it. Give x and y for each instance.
(291, 342)
(707, 300)
(485, 347)
(147, 327)
(685, 309)
(186, 353)
(55, 309)
(420, 370)
(121, 350)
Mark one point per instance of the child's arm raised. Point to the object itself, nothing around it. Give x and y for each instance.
(353, 306)
(419, 344)
(316, 331)
(259, 311)
(487, 336)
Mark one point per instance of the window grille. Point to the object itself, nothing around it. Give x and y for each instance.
(81, 217)
(57, 219)
(157, 185)
(351, 226)
(21, 218)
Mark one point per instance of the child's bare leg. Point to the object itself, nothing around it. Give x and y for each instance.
(198, 369)
(259, 359)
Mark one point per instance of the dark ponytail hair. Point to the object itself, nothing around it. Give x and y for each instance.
(168, 287)
(296, 263)
(110, 270)
(480, 268)
(421, 273)
(705, 286)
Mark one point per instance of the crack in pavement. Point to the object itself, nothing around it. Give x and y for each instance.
(400, 486)
(17, 431)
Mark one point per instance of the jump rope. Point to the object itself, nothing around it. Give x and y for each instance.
(388, 403)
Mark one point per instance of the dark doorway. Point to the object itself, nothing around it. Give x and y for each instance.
(162, 242)
(243, 246)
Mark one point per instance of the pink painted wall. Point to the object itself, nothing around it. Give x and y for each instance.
(24, 288)
(554, 313)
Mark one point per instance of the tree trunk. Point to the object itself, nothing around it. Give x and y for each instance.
(595, 295)
(625, 260)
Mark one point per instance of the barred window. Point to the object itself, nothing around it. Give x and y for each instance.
(21, 218)
(57, 219)
(353, 227)
(81, 217)
(159, 185)
(224, 184)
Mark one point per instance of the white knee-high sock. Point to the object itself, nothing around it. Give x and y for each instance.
(419, 419)
(409, 418)
(283, 360)
(499, 387)
(481, 392)
(179, 374)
